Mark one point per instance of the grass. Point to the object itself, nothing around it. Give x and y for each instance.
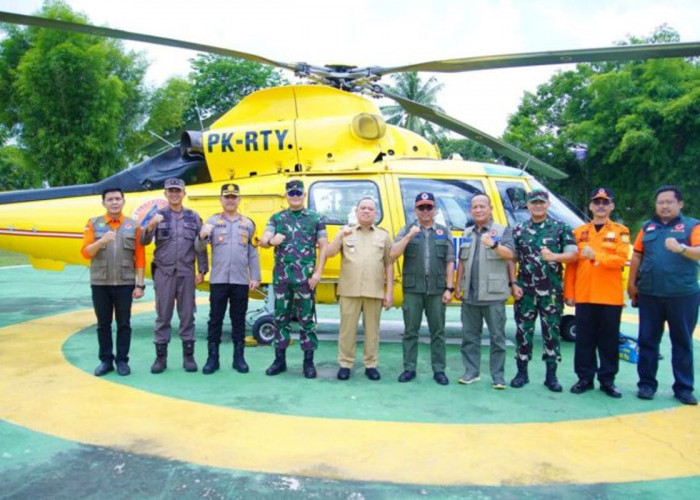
(12, 258)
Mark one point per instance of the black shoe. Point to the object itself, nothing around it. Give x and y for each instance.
(521, 378)
(610, 389)
(344, 373)
(308, 368)
(441, 378)
(123, 368)
(550, 380)
(645, 393)
(407, 376)
(686, 398)
(582, 386)
(104, 368)
(279, 365)
(372, 374)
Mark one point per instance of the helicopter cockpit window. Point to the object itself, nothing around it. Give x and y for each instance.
(453, 198)
(336, 200)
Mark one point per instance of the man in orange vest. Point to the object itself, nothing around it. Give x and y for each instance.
(594, 285)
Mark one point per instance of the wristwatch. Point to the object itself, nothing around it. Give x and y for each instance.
(450, 289)
(495, 245)
(511, 283)
(141, 287)
(684, 247)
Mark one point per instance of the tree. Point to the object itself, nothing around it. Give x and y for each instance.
(218, 83)
(637, 122)
(72, 103)
(466, 148)
(410, 86)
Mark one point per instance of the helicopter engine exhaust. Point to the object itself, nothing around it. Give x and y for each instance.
(191, 143)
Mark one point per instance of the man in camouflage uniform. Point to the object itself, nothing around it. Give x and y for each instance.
(542, 245)
(295, 233)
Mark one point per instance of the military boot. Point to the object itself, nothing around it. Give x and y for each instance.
(309, 368)
(279, 365)
(550, 379)
(521, 377)
(212, 363)
(239, 363)
(161, 362)
(188, 362)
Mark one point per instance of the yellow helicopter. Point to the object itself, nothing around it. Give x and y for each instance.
(324, 133)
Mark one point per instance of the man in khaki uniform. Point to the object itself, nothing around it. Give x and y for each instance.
(366, 283)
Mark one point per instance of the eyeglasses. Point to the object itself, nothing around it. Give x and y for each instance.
(601, 201)
(295, 192)
(424, 208)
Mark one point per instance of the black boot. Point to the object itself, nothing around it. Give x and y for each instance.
(188, 362)
(521, 377)
(239, 363)
(309, 368)
(279, 365)
(212, 363)
(161, 362)
(550, 379)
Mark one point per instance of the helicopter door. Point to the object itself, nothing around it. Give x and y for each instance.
(514, 200)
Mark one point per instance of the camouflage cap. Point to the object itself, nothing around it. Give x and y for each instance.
(538, 195)
(294, 184)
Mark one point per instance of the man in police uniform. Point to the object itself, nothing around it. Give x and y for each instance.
(594, 285)
(542, 245)
(484, 285)
(235, 270)
(428, 267)
(663, 281)
(295, 233)
(175, 229)
(110, 242)
(366, 283)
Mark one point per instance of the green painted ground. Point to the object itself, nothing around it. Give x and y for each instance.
(33, 465)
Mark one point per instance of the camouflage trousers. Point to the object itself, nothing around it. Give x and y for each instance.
(549, 307)
(295, 300)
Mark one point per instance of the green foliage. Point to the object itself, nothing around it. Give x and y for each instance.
(410, 86)
(638, 121)
(14, 172)
(72, 102)
(218, 83)
(466, 148)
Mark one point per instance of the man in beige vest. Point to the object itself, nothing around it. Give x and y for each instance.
(484, 280)
(366, 283)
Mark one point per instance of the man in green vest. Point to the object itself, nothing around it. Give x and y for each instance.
(484, 278)
(428, 267)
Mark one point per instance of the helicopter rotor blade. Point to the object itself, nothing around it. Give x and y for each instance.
(618, 53)
(446, 121)
(89, 29)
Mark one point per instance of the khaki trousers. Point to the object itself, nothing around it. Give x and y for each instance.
(350, 309)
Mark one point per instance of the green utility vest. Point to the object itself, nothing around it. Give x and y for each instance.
(415, 279)
(114, 264)
(493, 270)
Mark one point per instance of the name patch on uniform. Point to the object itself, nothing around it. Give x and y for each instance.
(678, 228)
(651, 227)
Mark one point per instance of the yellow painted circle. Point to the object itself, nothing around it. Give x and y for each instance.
(42, 391)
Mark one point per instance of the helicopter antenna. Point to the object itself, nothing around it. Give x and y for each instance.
(199, 115)
(162, 139)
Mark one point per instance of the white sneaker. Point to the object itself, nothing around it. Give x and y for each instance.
(466, 381)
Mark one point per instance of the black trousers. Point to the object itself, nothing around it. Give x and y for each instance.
(597, 329)
(220, 296)
(113, 301)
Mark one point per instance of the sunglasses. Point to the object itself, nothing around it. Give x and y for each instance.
(424, 208)
(231, 196)
(601, 201)
(295, 192)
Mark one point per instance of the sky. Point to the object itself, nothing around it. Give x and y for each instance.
(393, 32)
